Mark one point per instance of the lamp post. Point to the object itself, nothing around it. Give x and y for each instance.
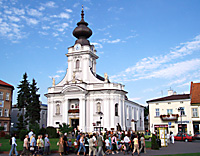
(100, 113)
(181, 109)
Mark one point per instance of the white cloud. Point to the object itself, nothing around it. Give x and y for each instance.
(8, 12)
(97, 45)
(31, 21)
(50, 4)
(160, 67)
(45, 27)
(134, 99)
(55, 34)
(34, 12)
(43, 33)
(114, 41)
(55, 76)
(76, 4)
(68, 10)
(18, 11)
(14, 19)
(60, 71)
(41, 8)
(62, 15)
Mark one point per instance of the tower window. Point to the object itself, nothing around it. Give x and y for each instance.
(57, 109)
(116, 109)
(77, 64)
(98, 107)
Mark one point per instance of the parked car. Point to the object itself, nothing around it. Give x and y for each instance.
(183, 136)
(147, 135)
(197, 135)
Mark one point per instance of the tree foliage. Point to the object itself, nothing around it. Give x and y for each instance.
(154, 144)
(33, 108)
(65, 128)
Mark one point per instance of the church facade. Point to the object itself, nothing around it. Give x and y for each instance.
(86, 100)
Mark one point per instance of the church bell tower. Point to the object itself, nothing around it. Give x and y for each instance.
(82, 55)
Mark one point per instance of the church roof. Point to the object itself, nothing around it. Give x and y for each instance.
(195, 93)
(82, 32)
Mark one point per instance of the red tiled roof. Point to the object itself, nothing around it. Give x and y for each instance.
(195, 93)
(5, 84)
(172, 97)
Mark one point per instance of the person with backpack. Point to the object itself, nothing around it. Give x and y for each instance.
(13, 145)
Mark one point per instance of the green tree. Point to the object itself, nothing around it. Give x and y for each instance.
(21, 124)
(154, 144)
(23, 99)
(65, 128)
(33, 109)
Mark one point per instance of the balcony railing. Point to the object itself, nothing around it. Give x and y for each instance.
(169, 117)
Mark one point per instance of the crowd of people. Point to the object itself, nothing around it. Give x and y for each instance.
(87, 143)
(109, 143)
(31, 145)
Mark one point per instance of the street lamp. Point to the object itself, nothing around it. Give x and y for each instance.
(181, 109)
(100, 113)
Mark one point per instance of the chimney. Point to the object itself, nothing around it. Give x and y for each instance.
(170, 92)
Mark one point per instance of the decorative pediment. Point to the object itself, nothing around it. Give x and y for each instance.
(73, 89)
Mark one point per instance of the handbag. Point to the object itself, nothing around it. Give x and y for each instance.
(31, 148)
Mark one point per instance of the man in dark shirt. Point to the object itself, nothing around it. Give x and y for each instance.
(65, 144)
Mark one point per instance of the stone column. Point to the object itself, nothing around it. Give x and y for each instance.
(65, 108)
(82, 114)
(106, 113)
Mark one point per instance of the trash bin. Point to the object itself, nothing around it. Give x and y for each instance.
(159, 142)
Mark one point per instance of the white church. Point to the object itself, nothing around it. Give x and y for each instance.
(86, 100)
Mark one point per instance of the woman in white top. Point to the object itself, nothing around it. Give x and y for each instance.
(172, 138)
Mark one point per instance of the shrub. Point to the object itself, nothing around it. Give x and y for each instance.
(1, 128)
(154, 144)
(51, 131)
(7, 136)
(42, 131)
(22, 134)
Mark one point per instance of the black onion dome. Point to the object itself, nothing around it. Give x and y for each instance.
(82, 32)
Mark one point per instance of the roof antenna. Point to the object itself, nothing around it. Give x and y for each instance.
(82, 14)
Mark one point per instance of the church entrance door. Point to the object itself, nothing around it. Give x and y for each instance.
(75, 123)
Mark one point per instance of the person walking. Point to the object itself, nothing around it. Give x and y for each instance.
(100, 145)
(126, 142)
(33, 144)
(46, 145)
(168, 138)
(14, 145)
(82, 145)
(143, 144)
(172, 138)
(42, 145)
(65, 144)
(92, 147)
(114, 144)
(61, 146)
(136, 145)
(25, 146)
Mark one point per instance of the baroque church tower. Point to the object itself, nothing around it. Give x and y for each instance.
(84, 99)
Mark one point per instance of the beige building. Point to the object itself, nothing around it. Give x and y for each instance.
(166, 112)
(6, 92)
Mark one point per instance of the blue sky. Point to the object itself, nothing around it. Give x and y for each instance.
(149, 46)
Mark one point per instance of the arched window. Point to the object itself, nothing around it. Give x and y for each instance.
(98, 107)
(57, 109)
(77, 64)
(116, 109)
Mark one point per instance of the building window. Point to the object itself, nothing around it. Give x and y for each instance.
(7, 96)
(127, 112)
(77, 64)
(181, 102)
(1, 112)
(169, 102)
(6, 114)
(116, 109)
(194, 112)
(72, 106)
(157, 112)
(1, 95)
(169, 111)
(98, 107)
(57, 109)
(5, 126)
(183, 112)
(57, 123)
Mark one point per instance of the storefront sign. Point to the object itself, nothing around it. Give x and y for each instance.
(183, 122)
(160, 126)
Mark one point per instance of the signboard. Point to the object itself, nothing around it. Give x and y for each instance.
(160, 125)
(1, 103)
(169, 123)
(183, 122)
